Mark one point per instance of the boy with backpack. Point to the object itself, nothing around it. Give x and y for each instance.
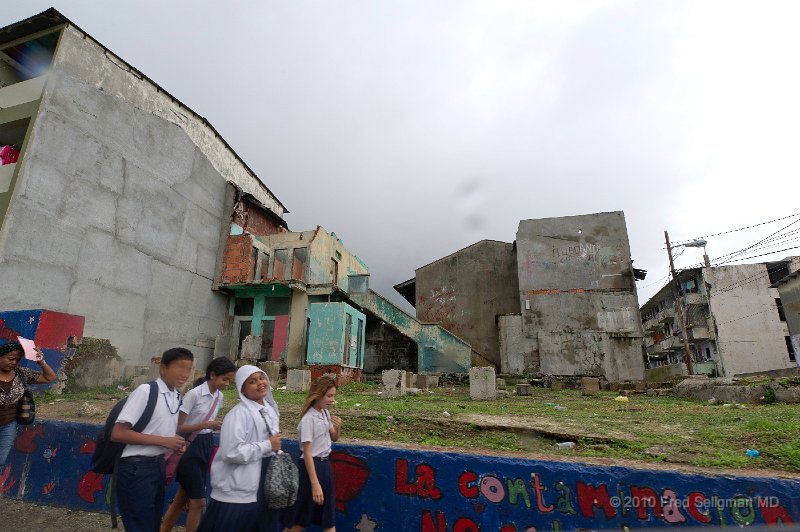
(140, 469)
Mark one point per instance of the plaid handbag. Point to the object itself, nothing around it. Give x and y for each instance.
(26, 407)
(281, 480)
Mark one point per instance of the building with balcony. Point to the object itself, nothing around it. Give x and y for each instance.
(733, 320)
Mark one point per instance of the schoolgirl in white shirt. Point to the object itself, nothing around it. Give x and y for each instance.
(197, 421)
(317, 429)
(250, 437)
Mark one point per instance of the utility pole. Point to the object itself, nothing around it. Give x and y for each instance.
(688, 357)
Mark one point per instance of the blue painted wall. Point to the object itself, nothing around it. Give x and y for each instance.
(390, 489)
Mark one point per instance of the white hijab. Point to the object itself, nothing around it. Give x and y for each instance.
(244, 373)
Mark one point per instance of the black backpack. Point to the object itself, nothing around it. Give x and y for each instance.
(107, 452)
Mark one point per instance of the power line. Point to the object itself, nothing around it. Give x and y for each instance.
(736, 230)
(731, 256)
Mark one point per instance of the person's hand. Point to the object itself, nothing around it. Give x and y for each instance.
(175, 443)
(40, 357)
(337, 421)
(275, 440)
(213, 424)
(316, 494)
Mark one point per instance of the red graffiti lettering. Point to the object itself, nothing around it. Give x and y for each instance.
(465, 524)
(773, 513)
(7, 480)
(425, 485)
(466, 485)
(90, 484)
(698, 500)
(87, 447)
(539, 488)
(590, 496)
(508, 528)
(26, 442)
(429, 526)
(48, 488)
(644, 498)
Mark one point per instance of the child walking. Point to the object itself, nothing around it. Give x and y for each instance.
(317, 428)
(140, 473)
(250, 437)
(197, 421)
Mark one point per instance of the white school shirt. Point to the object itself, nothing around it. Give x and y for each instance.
(315, 427)
(197, 402)
(163, 423)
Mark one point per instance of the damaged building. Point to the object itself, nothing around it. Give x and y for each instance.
(561, 300)
(735, 321)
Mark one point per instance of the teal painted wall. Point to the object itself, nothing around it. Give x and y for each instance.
(327, 336)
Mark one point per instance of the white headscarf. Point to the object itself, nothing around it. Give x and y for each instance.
(244, 373)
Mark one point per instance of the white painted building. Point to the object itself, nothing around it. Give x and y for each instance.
(734, 321)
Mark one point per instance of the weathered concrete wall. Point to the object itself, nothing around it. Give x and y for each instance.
(790, 298)
(464, 292)
(665, 373)
(329, 337)
(118, 209)
(380, 488)
(385, 348)
(513, 359)
(438, 350)
(750, 334)
(578, 298)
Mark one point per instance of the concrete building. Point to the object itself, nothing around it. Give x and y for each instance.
(465, 291)
(789, 291)
(302, 298)
(734, 322)
(560, 300)
(116, 208)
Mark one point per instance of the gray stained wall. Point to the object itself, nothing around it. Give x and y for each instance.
(386, 348)
(466, 291)
(118, 210)
(580, 314)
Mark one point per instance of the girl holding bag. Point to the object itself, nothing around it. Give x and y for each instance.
(197, 420)
(250, 438)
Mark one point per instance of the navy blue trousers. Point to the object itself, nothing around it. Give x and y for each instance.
(140, 495)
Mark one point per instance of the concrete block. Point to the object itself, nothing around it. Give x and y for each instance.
(298, 380)
(426, 382)
(273, 370)
(523, 389)
(411, 379)
(641, 386)
(590, 385)
(224, 346)
(557, 385)
(482, 383)
(500, 383)
(95, 363)
(394, 383)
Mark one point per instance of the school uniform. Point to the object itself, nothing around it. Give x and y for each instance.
(192, 472)
(314, 427)
(237, 471)
(140, 472)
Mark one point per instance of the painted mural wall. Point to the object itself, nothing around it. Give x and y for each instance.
(391, 489)
(55, 333)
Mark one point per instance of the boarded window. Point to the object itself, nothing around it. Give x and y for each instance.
(777, 271)
(281, 267)
(790, 348)
(334, 271)
(299, 264)
(781, 313)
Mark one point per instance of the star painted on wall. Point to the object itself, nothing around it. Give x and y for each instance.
(31, 320)
(366, 524)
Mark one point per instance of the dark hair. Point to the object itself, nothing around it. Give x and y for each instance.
(218, 366)
(176, 353)
(9, 348)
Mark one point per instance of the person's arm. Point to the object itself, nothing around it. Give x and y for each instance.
(316, 488)
(47, 375)
(188, 404)
(336, 421)
(124, 433)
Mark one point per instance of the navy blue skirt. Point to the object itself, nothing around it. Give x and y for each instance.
(305, 511)
(192, 473)
(244, 517)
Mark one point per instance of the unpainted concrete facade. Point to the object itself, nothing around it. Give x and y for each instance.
(789, 290)
(465, 292)
(116, 209)
(580, 315)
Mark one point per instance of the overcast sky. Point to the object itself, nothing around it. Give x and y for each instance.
(414, 128)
